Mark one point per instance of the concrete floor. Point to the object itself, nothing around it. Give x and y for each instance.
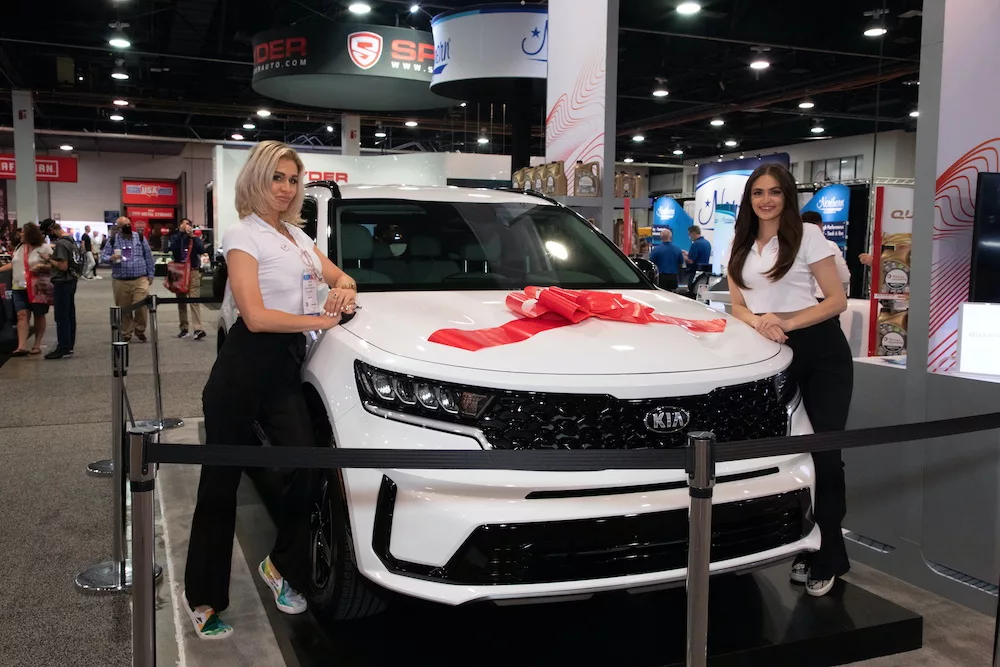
(55, 418)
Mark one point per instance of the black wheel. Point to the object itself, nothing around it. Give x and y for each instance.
(336, 589)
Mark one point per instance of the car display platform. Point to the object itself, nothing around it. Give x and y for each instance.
(758, 619)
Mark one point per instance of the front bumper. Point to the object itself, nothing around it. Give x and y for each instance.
(455, 537)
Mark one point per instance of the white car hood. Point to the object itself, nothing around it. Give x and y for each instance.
(400, 323)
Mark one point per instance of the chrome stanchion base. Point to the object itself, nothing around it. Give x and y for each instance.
(167, 423)
(104, 468)
(103, 578)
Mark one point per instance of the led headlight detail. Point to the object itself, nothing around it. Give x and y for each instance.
(418, 396)
(786, 387)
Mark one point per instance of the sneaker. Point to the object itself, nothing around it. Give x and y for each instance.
(58, 354)
(286, 598)
(183, 334)
(820, 587)
(199, 334)
(800, 571)
(208, 624)
(141, 337)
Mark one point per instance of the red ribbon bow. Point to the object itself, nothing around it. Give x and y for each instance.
(544, 308)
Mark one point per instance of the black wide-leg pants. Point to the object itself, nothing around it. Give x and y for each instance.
(824, 369)
(257, 376)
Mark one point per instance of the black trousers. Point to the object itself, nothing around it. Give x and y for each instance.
(257, 376)
(824, 370)
(668, 281)
(64, 298)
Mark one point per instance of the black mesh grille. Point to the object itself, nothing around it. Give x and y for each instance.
(578, 421)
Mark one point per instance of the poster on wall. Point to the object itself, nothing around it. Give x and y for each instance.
(669, 214)
(717, 196)
(832, 203)
(891, 244)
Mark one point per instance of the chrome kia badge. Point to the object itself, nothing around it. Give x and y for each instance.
(667, 419)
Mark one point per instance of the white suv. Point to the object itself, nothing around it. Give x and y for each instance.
(431, 258)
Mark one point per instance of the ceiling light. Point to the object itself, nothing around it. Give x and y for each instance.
(719, 160)
(638, 138)
(483, 140)
(914, 114)
(806, 104)
(414, 8)
(116, 117)
(120, 103)
(731, 143)
(688, 8)
(463, 104)
(629, 160)
(875, 31)
(380, 135)
(66, 147)
(329, 128)
(678, 151)
(411, 123)
(119, 41)
(359, 8)
(817, 129)
(741, 156)
(79, 78)
(249, 126)
(718, 122)
(119, 72)
(263, 113)
(760, 63)
(660, 92)
(237, 136)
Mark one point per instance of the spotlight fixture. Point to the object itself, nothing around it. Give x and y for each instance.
(414, 8)
(411, 123)
(249, 125)
(263, 113)
(237, 136)
(719, 160)
(875, 31)
(717, 122)
(915, 114)
(817, 129)
(117, 117)
(119, 73)
(120, 103)
(359, 8)
(118, 38)
(638, 138)
(760, 62)
(380, 135)
(329, 128)
(876, 27)
(806, 104)
(741, 156)
(79, 78)
(678, 151)
(660, 92)
(731, 143)
(628, 160)
(464, 104)
(483, 140)
(66, 147)
(688, 8)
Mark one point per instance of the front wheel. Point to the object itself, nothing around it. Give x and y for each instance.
(336, 588)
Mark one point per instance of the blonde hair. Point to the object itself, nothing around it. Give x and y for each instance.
(253, 185)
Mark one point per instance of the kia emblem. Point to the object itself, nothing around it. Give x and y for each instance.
(667, 419)
(365, 48)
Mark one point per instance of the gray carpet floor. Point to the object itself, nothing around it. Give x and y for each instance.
(54, 420)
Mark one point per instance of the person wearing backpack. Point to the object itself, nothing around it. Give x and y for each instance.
(132, 271)
(67, 267)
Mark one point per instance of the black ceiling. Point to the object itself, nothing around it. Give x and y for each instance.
(190, 73)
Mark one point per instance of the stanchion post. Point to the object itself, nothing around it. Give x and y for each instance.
(154, 331)
(105, 468)
(142, 479)
(700, 469)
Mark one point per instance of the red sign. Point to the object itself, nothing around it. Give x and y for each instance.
(164, 193)
(277, 49)
(149, 213)
(409, 51)
(61, 169)
(335, 176)
(365, 48)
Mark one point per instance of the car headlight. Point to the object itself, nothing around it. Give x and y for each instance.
(418, 396)
(786, 387)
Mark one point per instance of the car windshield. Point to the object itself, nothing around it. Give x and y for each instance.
(415, 245)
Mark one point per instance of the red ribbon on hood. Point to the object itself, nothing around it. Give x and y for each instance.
(544, 308)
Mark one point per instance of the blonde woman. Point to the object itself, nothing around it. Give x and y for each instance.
(275, 271)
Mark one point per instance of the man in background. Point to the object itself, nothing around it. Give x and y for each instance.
(87, 246)
(814, 218)
(186, 247)
(132, 271)
(699, 255)
(668, 259)
(67, 265)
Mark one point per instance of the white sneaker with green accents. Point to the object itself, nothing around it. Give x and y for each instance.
(286, 598)
(207, 623)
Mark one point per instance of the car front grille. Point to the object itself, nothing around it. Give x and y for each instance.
(524, 420)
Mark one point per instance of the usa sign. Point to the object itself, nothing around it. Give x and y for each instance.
(162, 193)
(59, 169)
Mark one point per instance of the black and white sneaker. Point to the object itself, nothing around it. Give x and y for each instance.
(183, 334)
(820, 587)
(199, 334)
(800, 571)
(58, 354)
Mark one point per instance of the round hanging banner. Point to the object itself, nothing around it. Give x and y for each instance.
(351, 67)
(490, 51)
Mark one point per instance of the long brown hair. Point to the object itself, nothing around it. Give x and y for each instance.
(747, 226)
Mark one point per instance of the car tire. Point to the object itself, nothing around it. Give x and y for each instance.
(336, 589)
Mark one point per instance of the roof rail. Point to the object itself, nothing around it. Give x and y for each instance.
(532, 193)
(332, 186)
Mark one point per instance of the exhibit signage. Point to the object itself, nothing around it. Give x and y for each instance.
(978, 338)
(163, 193)
(669, 214)
(832, 202)
(718, 195)
(349, 66)
(57, 169)
(150, 213)
(504, 41)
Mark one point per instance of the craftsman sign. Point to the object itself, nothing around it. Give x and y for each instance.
(60, 169)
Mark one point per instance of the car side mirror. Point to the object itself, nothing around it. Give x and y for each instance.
(648, 268)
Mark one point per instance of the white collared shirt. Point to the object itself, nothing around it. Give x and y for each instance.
(794, 291)
(280, 264)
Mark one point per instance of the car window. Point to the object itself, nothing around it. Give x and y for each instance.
(412, 245)
(309, 217)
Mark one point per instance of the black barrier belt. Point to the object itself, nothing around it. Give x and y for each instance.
(199, 299)
(132, 307)
(557, 460)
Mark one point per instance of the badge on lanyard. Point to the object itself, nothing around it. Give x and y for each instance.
(310, 293)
